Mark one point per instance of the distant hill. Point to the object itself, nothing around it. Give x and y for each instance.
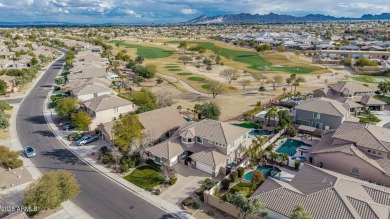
(277, 18)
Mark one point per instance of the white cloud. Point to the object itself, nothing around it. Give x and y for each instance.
(188, 11)
(3, 5)
(132, 13)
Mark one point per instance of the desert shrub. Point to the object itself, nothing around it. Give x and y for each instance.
(225, 184)
(258, 177)
(157, 192)
(188, 201)
(240, 171)
(14, 163)
(104, 149)
(195, 205)
(207, 180)
(199, 191)
(124, 168)
(106, 160)
(233, 176)
(296, 164)
(172, 181)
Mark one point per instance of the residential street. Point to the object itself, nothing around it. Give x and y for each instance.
(100, 197)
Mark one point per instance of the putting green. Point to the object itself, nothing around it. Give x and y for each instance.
(184, 73)
(146, 52)
(200, 79)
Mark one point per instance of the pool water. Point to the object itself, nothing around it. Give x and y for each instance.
(257, 132)
(289, 147)
(266, 170)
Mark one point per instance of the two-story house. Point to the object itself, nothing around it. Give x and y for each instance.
(355, 94)
(86, 91)
(356, 149)
(322, 113)
(106, 108)
(207, 145)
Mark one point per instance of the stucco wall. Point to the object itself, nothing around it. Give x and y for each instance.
(327, 120)
(343, 163)
(109, 115)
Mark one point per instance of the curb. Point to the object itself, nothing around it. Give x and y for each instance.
(97, 169)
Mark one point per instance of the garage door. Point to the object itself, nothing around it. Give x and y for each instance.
(204, 167)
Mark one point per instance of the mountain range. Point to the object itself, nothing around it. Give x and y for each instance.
(277, 18)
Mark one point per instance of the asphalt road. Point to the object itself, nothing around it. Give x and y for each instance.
(99, 197)
(387, 125)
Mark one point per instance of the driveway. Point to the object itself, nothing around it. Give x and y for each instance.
(384, 116)
(188, 181)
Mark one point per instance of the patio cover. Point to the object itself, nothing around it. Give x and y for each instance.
(307, 129)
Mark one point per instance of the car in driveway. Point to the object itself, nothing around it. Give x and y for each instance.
(68, 126)
(30, 151)
(87, 139)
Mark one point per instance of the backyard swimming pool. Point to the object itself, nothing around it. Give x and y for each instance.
(290, 147)
(266, 170)
(257, 132)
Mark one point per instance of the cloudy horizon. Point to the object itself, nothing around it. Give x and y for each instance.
(170, 11)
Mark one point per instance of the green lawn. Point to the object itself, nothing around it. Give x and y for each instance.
(253, 59)
(145, 177)
(370, 79)
(196, 79)
(292, 70)
(247, 125)
(52, 105)
(245, 187)
(57, 97)
(146, 52)
(174, 69)
(172, 66)
(184, 73)
(205, 86)
(383, 98)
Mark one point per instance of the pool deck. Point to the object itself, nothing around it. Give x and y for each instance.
(286, 175)
(304, 140)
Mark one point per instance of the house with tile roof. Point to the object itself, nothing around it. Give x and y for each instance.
(86, 91)
(106, 108)
(355, 94)
(207, 145)
(169, 120)
(322, 113)
(356, 149)
(325, 194)
(87, 74)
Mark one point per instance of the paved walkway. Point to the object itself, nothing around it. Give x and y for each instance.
(84, 153)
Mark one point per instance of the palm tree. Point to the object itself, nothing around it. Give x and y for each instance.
(291, 80)
(284, 91)
(271, 113)
(283, 157)
(273, 155)
(179, 108)
(255, 151)
(296, 84)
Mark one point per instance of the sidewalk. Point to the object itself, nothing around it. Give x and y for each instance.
(70, 210)
(84, 153)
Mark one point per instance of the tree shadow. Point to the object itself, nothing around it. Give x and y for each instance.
(36, 119)
(63, 155)
(45, 133)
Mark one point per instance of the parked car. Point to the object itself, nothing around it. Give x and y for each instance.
(68, 126)
(75, 136)
(87, 139)
(30, 151)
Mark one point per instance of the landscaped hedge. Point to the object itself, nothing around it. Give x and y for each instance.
(233, 176)
(240, 171)
(225, 184)
(172, 181)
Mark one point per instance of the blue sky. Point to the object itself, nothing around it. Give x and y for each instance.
(165, 11)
